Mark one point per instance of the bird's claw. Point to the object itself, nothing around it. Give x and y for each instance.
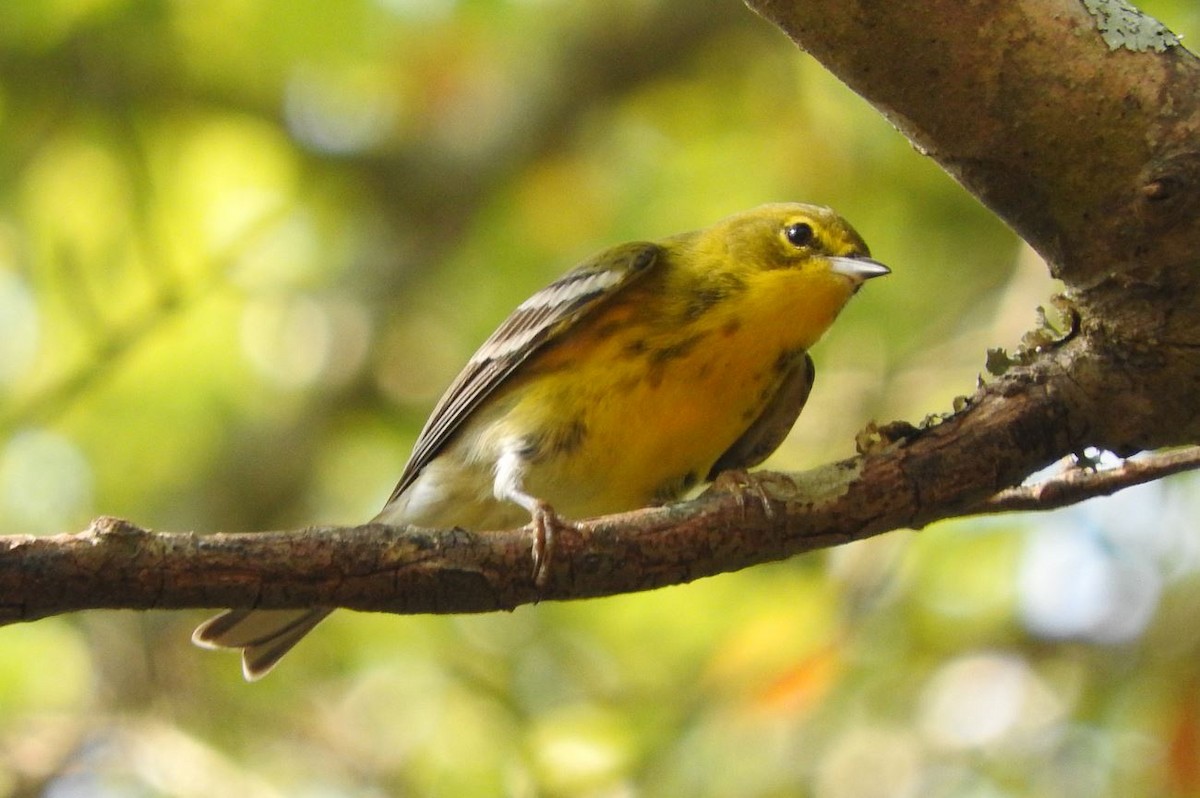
(545, 523)
(739, 482)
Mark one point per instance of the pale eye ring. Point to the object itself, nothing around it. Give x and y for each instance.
(799, 234)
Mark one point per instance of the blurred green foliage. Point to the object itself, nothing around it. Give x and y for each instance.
(244, 245)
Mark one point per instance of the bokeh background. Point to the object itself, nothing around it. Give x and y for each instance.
(244, 244)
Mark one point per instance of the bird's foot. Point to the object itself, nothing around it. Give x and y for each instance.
(546, 523)
(740, 483)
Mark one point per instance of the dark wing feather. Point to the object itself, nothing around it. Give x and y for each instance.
(536, 322)
(773, 423)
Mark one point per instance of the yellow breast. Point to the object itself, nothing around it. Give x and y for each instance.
(638, 403)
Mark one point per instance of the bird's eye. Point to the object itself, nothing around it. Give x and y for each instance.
(799, 234)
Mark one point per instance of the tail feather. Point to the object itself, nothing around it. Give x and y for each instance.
(264, 636)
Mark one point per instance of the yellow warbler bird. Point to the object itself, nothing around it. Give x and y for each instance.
(624, 383)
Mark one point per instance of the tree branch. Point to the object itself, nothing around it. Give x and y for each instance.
(911, 481)
(1090, 153)
(1078, 482)
(1087, 147)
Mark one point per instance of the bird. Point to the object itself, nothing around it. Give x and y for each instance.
(647, 369)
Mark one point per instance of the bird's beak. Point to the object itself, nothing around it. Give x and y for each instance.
(859, 270)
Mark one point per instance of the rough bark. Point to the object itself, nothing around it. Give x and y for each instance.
(1072, 120)
(1077, 123)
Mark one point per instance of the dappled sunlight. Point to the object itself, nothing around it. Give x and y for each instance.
(340, 111)
(19, 329)
(229, 174)
(1074, 585)
(1098, 571)
(46, 483)
(871, 761)
(296, 341)
(987, 699)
